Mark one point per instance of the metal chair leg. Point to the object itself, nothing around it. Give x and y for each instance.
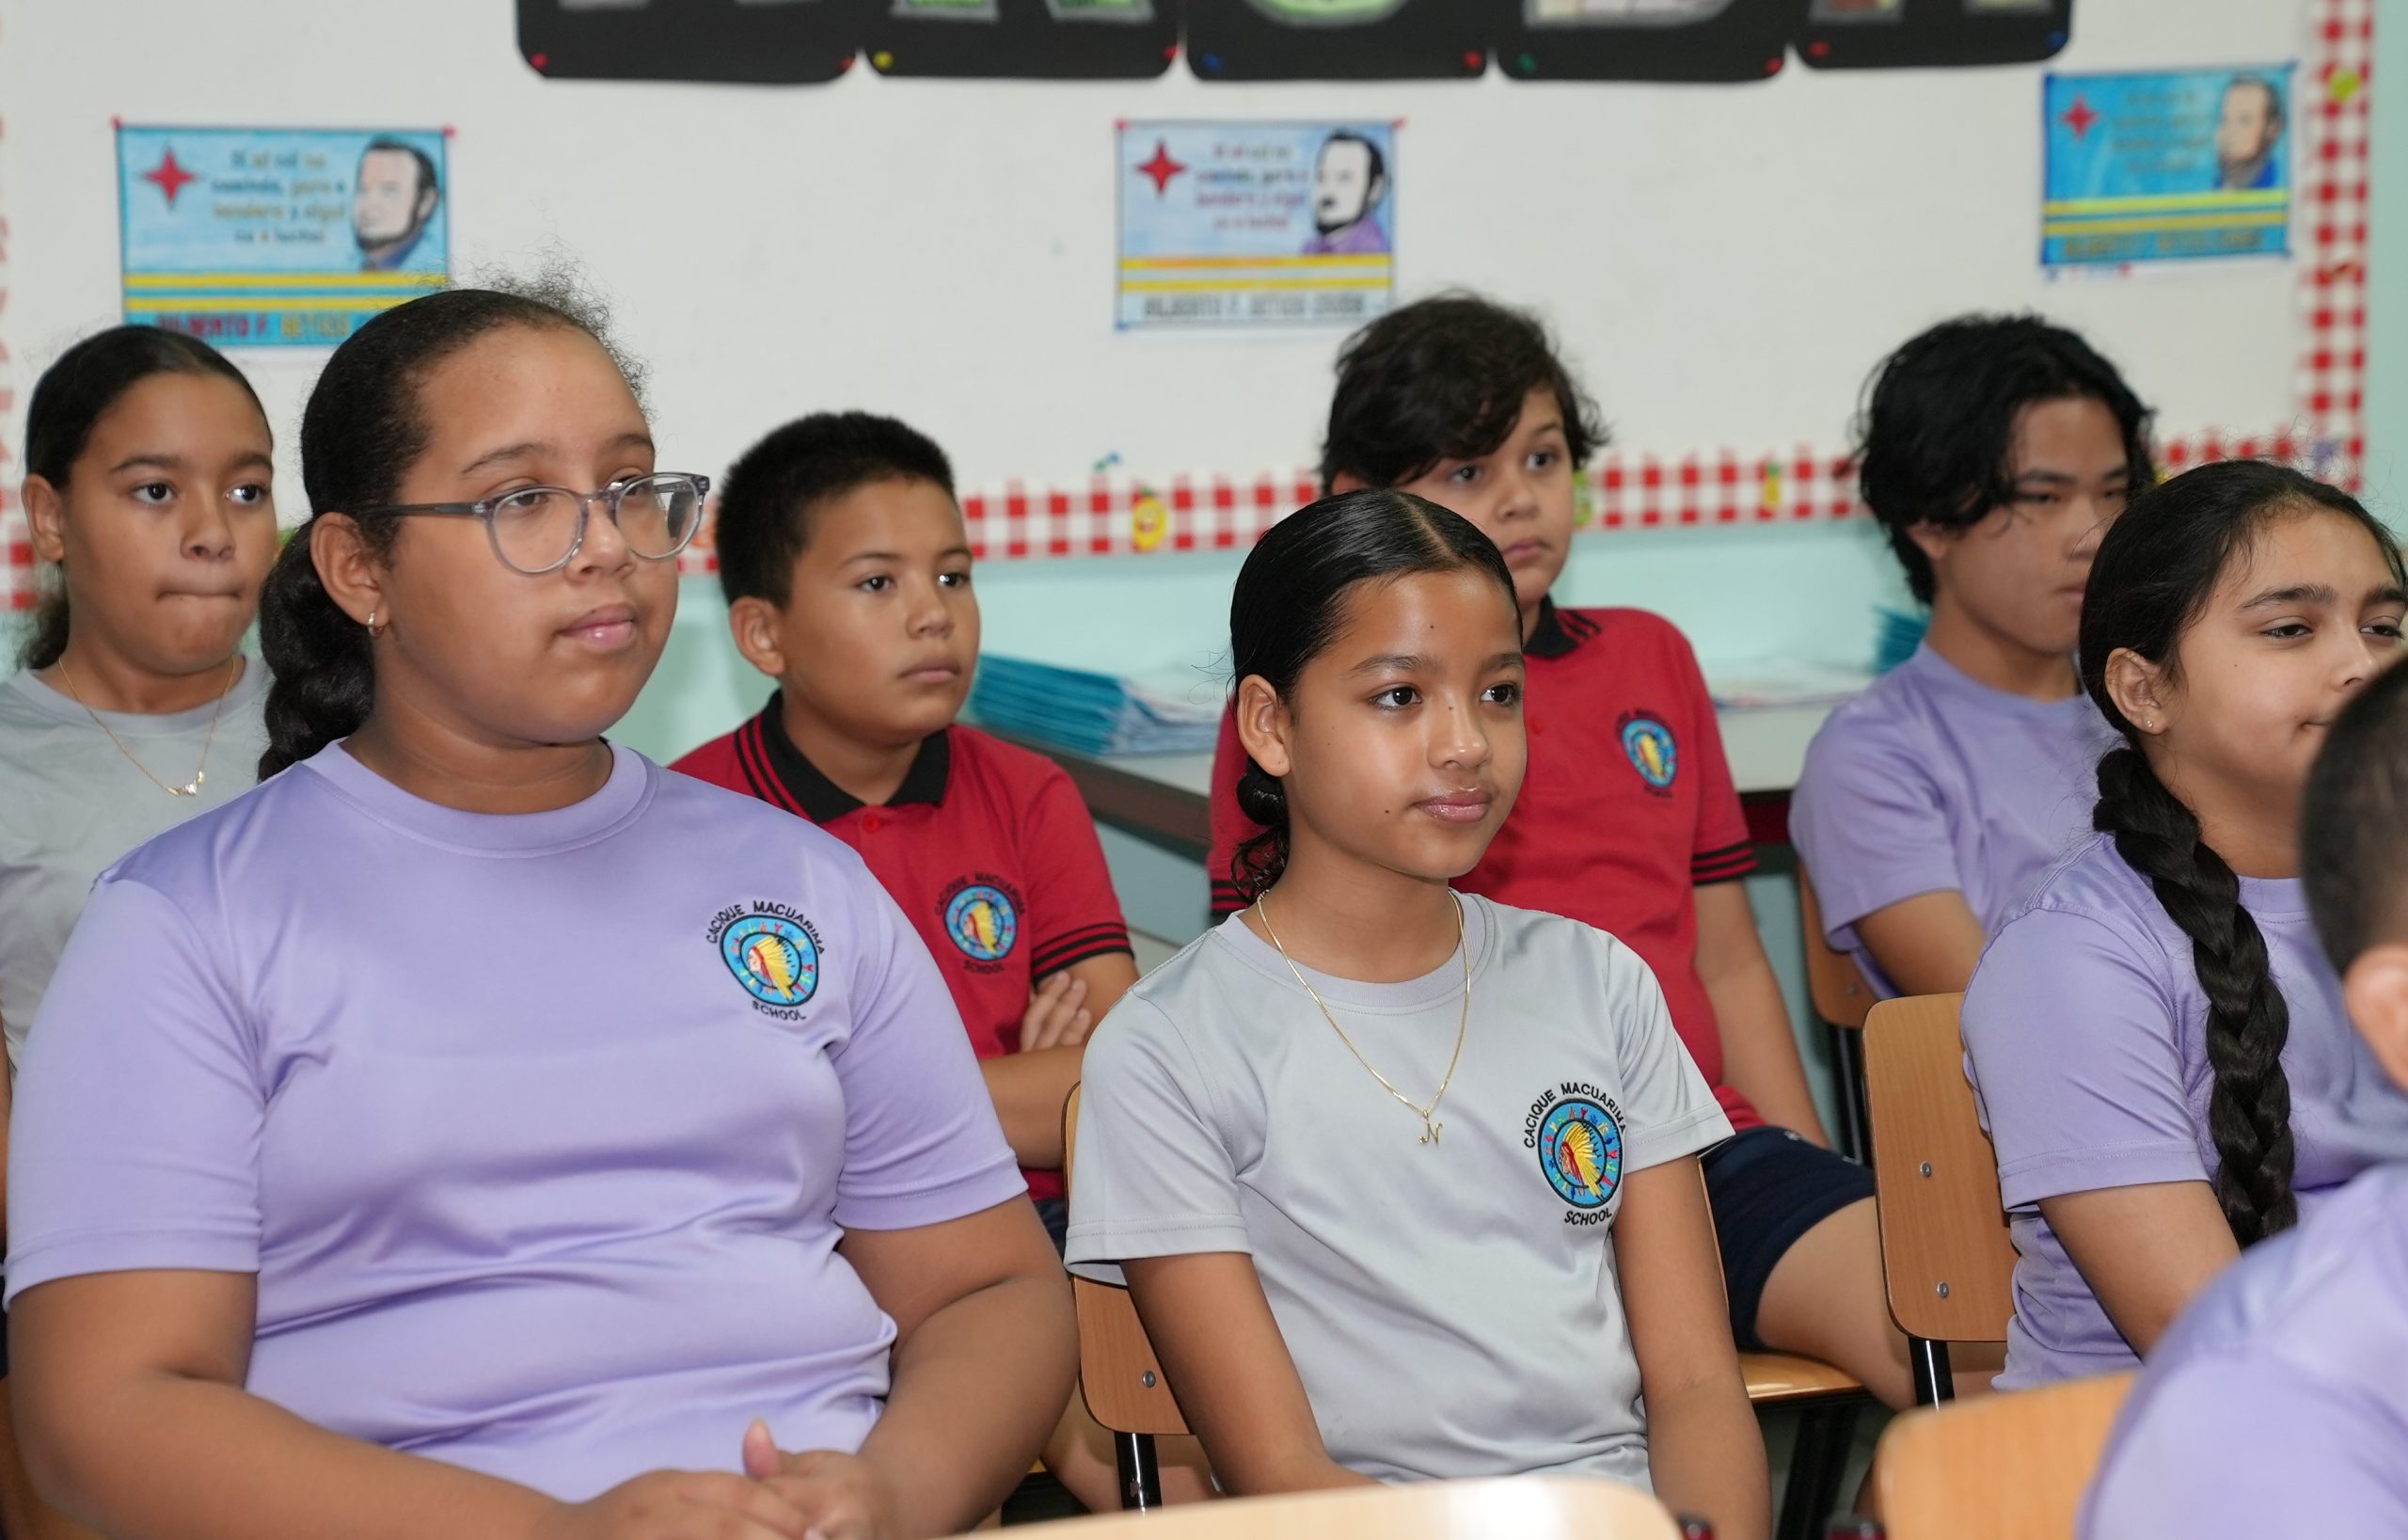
(1141, 1478)
(1856, 1121)
(1934, 1383)
(1817, 1466)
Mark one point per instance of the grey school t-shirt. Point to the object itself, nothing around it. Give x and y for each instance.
(1453, 1309)
(71, 805)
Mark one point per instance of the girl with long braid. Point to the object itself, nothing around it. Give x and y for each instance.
(2157, 1037)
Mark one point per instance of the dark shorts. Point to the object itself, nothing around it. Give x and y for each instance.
(1055, 1213)
(1768, 1187)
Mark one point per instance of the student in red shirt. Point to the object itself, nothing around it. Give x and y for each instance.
(1628, 820)
(846, 571)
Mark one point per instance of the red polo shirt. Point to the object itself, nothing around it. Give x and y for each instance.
(987, 847)
(1627, 805)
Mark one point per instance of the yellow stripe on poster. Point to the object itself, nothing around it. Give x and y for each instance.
(412, 282)
(1163, 286)
(211, 303)
(1132, 264)
(2273, 197)
(2167, 222)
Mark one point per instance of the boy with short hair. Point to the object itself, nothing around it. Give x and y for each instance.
(1996, 451)
(2303, 1341)
(1628, 820)
(847, 570)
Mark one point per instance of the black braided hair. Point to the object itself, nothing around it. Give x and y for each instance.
(1289, 602)
(2155, 571)
(360, 433)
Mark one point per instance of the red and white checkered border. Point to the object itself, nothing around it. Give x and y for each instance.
(1117, 514)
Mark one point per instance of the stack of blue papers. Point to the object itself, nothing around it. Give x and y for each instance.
(1176, 711)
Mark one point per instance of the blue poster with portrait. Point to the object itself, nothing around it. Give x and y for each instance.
(2173, 166)
(280, 237)
(1256, 224)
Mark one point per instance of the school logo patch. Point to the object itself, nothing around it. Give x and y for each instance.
(774, 951)
(1575, 1129)
(983, 917)
(1652, 753)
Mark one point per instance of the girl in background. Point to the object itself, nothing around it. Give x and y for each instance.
(2157, 1037)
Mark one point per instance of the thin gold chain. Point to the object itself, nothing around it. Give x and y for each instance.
(1430, 1125)
(200, 772)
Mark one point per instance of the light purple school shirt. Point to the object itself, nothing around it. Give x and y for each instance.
(1933, 782)
(2277, 1405)
(539, 1132)
(2085, 1036)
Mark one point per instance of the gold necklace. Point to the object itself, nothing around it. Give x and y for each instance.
(200, 772)
(1430, 1126)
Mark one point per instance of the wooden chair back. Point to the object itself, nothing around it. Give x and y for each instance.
(1833, 981)
(1945, 1251)
(1518, 1508)
(1119, 1377)
(2009, 1467)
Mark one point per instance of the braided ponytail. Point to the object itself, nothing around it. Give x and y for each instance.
(2249, 1110)
(1289, 602)
(362, 431)
(2155, 571)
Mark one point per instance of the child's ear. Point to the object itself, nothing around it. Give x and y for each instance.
(349, 571)
(1932, 540)
(2375, 989)
(47, 518)
(1263, 724)
(755, 623)
(1346, 481)
(2140, 691)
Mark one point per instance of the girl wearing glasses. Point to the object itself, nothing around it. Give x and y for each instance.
(477, 1130)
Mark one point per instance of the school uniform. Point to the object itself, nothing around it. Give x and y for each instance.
(1626, 808)
(72, 802)
(987, 848)
(2301, 1348)
(538, 1132)
(2085, 1032)
(1454, 1307)
(1933, 782)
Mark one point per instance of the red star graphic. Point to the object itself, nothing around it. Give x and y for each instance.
(1161, 168)
(170, 177)
(2079, 117)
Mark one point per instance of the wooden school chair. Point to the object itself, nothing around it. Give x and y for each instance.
(2009, 1467)
(1841, 997)
(1130, 1397)
(1946, 1255)
(1518, 1508)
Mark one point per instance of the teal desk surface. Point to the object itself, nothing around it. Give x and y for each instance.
(1162, 798)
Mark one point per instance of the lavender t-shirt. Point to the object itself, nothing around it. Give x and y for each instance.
(2278, 1403)
(539, 1132)
(1933, 782)
(2085, 1036)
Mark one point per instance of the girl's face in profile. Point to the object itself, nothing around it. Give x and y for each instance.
(1401, 745)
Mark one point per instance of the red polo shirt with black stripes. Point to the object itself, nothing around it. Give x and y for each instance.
(1626, 808)
(987, 847)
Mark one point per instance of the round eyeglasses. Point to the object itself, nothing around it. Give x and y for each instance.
(537, 530)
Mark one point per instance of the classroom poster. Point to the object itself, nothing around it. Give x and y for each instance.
(1241, 224)
(793, 43)
(1642, 39)
(1906, 34)
(269, 237)
(1336, 40)
(1032, 39)
(2167, 165)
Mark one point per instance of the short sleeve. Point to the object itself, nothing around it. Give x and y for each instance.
(1720, 851)
(1230, 826)
(135, 1139)
(1869, 827)
(1156, 1177)
(1073, 913)
(922, 1143)
(2073, 1045)
(2315, 1461)
(1669, 1109)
